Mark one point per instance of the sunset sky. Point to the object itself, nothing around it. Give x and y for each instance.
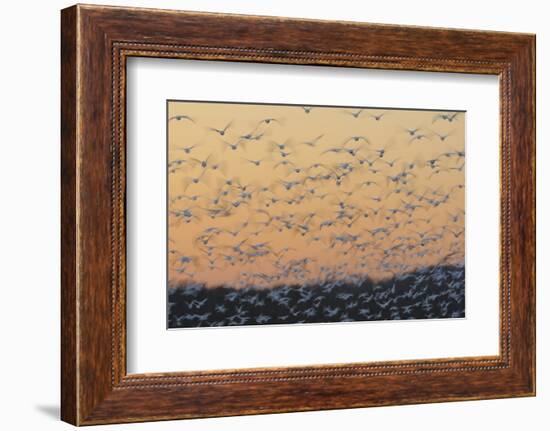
(244, 209)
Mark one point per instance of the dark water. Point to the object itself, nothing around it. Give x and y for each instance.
(428, 293)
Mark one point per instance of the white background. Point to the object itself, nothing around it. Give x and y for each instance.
(29, 228)
(151, 348)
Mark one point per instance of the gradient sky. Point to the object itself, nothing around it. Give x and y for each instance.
(201, 247)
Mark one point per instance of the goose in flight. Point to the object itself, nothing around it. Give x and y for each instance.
(268, 120)
(312, 142)
(181, 117)
(187, 150)
(412, 131)
(354, 114)
(450, 117)
(377, 117)
(234, 146)
(443, 136)
(222, 131)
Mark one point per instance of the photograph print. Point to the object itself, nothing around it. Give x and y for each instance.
(285, 214)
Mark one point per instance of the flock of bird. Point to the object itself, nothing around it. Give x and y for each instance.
(427, 293)
(269, 199)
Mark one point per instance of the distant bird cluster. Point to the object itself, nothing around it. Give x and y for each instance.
(264, 197)
(428, 293)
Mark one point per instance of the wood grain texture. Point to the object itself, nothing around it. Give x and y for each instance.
(69, 397)
(96, 41)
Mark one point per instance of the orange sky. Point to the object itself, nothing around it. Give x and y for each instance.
(218, 196)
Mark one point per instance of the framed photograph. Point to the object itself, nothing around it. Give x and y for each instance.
(297, 214)
(266, 215)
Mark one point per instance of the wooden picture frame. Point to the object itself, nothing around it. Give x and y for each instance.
(96, 41)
